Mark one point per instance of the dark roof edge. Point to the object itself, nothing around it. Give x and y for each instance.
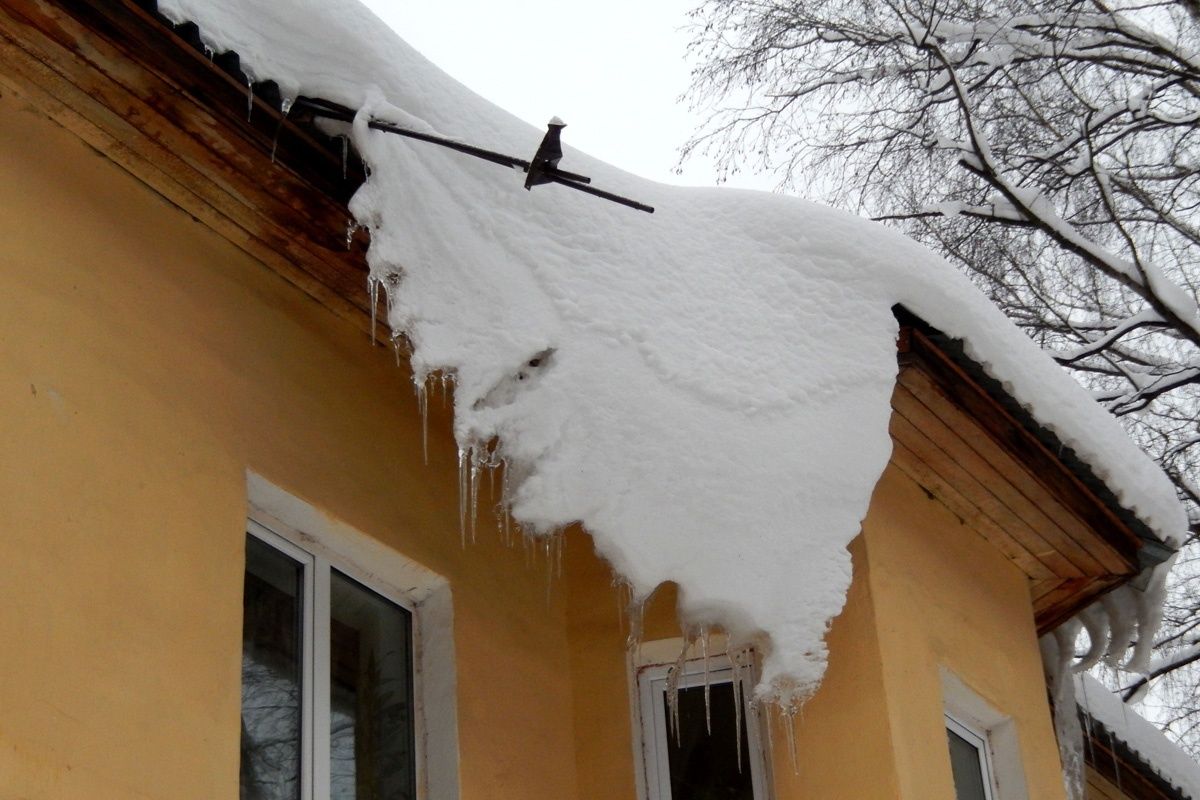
(1122, 753)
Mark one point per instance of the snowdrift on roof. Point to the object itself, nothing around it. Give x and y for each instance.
(705, 389)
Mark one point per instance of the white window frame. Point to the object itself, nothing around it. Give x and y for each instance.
(992, 731)
(320, 544)
(979, 740)
(654, 727)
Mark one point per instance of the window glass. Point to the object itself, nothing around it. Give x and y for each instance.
(704, 765)
(371, 708)
(327, 681)
(967, 764)
(271, 674)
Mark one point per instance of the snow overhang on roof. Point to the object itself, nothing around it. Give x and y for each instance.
(688, 385)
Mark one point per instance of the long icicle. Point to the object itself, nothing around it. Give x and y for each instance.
(738, 698)
(707, 688)
(422, 387)
(373, 290)
(463, 455)
(789, 721)
(474, 501)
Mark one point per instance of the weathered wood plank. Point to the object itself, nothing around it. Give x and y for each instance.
(918, 468)
(266, 209)
(1021, 444)
(1065, 601)
(1040, 589)
(1014, 481)
(1000, 478)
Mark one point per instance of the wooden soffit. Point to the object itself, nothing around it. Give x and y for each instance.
(146, 94)
(963, 446)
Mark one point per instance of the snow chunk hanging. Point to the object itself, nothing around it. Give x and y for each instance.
(714, 407)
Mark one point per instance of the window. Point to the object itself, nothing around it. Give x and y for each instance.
(692, 752)
(985, 756)
(970, 761)
(327, 680)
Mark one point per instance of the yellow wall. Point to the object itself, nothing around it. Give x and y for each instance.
(927, 593)
(145, 363)
(946, 598)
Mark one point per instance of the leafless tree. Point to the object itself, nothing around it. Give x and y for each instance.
(1047, 146)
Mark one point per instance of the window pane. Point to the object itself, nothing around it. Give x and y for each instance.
(705, 766)
(271, 674)
(968, 772)
(371, 707)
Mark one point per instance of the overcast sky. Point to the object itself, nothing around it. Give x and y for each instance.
(613, 71)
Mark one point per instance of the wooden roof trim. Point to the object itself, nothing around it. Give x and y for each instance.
(139, 91)
(1026, 504)
(916, 347)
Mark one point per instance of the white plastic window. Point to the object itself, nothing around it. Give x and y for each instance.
(970, 761)
(328, 705)
(698, 746)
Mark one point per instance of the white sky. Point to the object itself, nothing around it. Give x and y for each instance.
(612, 70)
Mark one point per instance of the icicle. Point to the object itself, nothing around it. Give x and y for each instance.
(1057, 653)
(703, 639)
(1112, 748)
(285, 105)
(770, 737)
(560, 543)
(1095, 621)
(738, 699)
(420, 386)
(674, 675)
(493, 465)
(249, 97)
(788, 718)
(345, 154)
(397, 346)
(373, 284)
(624, 597)
(672, 692)
(637, 622)
(1088, 724)
(527, 547)
(474, 488)
(209, 52)
(553, 549)
(351, 228)
(463, 455)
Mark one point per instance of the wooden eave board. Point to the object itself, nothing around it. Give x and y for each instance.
(116, 76)
(962, 454)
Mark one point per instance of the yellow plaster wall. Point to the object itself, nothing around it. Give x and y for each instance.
(843, 741)
(946, 598)
(927, 593)
(145, 364)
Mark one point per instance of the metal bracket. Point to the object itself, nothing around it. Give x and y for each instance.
(543, 168)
